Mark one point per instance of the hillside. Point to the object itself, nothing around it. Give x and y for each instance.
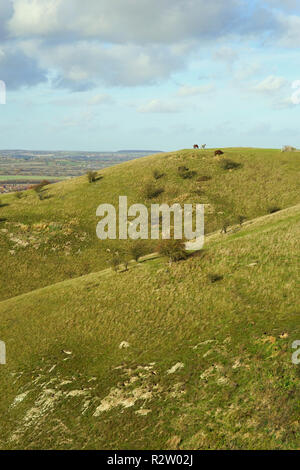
(205, 356)
(35, 234)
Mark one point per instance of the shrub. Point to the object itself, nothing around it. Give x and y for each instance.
(152, 191)
(241, 219)
(185, 173)
(212, 277)
(157, 174)
(203, 178)
(227, 164)
(288, 148)
(91, 176)
(188, 174)
(138, 249)
(182, 169)
(115, 261)
(19, 195)
(173, 249)
(225, 225)
(273, 209)
(45, 183)
(125, 261)
(41, 196)
(39, 187)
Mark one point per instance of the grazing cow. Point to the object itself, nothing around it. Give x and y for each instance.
(219, 152)
(203, 146)
(196, 146)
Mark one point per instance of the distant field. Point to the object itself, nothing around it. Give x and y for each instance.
(27, 166)
(27, 179)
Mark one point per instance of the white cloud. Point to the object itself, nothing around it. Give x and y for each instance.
(245, 71)
(143, 21)
(18, 69)
(133, 42)
(284, 4)
(187, 90)
(226, 54)
(270, 84)
(102, 98)
(6, 10)
(289, 30)
(159, 106)
(89, 63)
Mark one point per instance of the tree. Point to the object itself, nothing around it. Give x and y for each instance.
(173, 249)
(115, 261)
(138, 249)
(92, 176)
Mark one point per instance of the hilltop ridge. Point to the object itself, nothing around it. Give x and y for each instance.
(35, 233)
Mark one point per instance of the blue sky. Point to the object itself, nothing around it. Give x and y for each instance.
(159, 74)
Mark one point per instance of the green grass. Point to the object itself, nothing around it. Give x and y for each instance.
(34, 234)
(238, 387)
(209, 358)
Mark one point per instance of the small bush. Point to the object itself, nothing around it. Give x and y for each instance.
(152, 191)
(241, 219)
(273, 209)
(173, 249)
(182, 169)
(41, 196)
(185, 173)
(212, 277)
(225, 225)
(203, 178)
(227, 164)
(138, 249)
(45, 183)
(188, 174)
(19, 195)
(288, 148)
(40, 186)
(115, 261)
(157, 174)
(91, 176)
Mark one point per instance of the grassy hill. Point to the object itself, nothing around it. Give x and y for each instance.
(192, 355)
(35, 234)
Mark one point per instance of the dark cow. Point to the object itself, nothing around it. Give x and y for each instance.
(196, 146)
(219, 152)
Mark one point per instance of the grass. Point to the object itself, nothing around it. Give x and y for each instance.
(208, 364)
(34, 234)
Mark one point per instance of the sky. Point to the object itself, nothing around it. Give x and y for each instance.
(106, 75)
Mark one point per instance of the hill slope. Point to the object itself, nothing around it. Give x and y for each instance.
(202, 364)
(35, 233)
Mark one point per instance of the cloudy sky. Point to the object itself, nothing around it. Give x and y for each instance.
(149, 74)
